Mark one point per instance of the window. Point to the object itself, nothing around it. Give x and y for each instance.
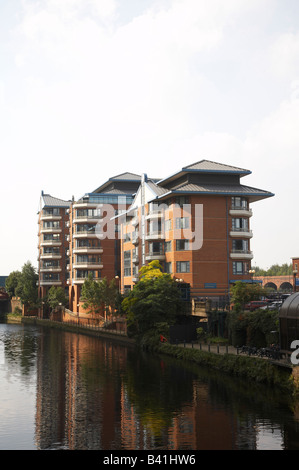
(240, 245)
(168, 268)
(240, 268)
(182, 245)
(167, 246)
(182, 222)
(183, 266)
(239, 203)
(167, 224)
(155, 248)
(181, 200)
(240, 224)
(127, 263)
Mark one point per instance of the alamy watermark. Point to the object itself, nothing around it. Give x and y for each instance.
(294, 356)
(184, 221)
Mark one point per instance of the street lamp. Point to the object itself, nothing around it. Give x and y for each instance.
(251, 272)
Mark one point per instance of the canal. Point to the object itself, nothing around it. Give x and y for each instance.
(59, 390)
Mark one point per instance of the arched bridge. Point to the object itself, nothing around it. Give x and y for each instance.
(277, 283)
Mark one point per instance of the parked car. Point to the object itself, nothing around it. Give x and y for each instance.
(255, 304)
(273, 305)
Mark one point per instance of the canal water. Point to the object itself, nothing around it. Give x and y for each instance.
(59, 390)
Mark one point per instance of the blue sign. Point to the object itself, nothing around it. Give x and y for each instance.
(210, 285)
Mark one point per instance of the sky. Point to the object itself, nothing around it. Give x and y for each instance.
(90, 89)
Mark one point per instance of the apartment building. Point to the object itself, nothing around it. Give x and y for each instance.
(53, 217)
(196, 223)
(94, 245)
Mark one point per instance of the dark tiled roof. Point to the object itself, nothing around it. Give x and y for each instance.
(207, 165)
(219, 189)
(50, 201)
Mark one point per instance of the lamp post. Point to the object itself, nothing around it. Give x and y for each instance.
(251, 272)
(295, 271)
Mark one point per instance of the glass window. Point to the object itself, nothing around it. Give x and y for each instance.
(182, 222)
(182, 245)
(168, 224)
(240, 268)
(168, 268)
(167, 246)
(183, 266)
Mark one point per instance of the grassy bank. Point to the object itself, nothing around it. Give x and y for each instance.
(245, 367)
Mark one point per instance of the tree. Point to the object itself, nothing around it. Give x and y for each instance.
(275, 270)
(242, 293)
(56, 296)
(155, 299)
(150, 271)
(12, 282)
(26, 287)
(99, 296)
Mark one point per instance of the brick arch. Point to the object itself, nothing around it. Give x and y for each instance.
(279, 281)
(271, 285)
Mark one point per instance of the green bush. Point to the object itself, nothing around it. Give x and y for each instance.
(252, 328)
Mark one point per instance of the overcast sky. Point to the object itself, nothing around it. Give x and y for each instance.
(93, 88)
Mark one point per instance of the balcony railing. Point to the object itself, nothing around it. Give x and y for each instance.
(156, 235)
(50, 282)
(88, 234)
(241, 232)
(241, 254)
(88, 264)
(241, 211)
(152, 255)
(88, 249)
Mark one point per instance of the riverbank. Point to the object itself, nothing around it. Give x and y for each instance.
(82, 329)
(249, 368)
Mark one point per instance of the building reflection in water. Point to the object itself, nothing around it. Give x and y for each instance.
(94, 394)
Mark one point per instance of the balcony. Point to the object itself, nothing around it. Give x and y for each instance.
(135, 259)
(50, 217)
(85, 205)
(50, 230)
(50, 283)
(241, 233)
(155, 255)
(154, 215)
(87, 219)
(238, 211)
(157, 235)
(51, 269)
(87, 249)
(50, 256)
(135, 221)
(135, 238)
(81, 280)
(88, 234)
(88, 265)
(135, 278)
(241, 254)
(50, 243)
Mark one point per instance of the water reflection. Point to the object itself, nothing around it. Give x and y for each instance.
(95, 394)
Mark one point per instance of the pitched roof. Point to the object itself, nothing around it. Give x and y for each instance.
(221, 189)
(125, 177)
(206, 166)
(50, 201)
